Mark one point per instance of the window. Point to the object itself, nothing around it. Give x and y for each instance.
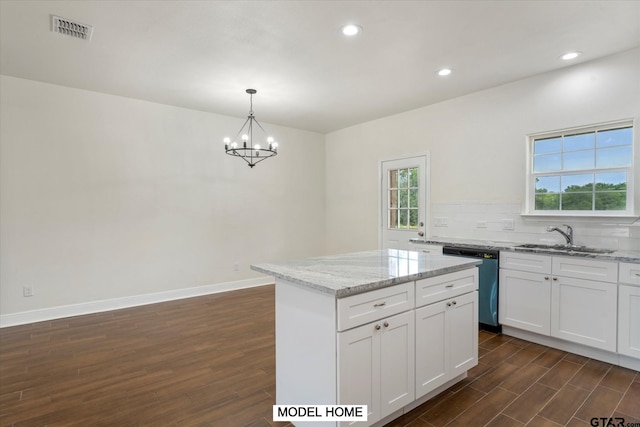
(403, 198)
(586, 171)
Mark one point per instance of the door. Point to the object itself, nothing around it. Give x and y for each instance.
(432, 351)
(359, 369)
(584, 311)
(397, 363)
(462, 330)
(629, 320)
(525, 301)
(404, 201)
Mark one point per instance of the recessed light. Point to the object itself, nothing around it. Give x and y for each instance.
(444, 72)
(351, 30)
(570, 55)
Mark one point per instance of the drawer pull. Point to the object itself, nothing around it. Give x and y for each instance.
(380, 304)
(555, 279)
(448, 304)
(454, 302)
(377, 327)
(546, 277)
(449, 286)
(386, 324)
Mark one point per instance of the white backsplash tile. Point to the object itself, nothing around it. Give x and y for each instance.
(462, 219)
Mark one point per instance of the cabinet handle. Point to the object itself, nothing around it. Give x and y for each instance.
(454, 302)
(386, 324)
(638, 274)
(381, 304)
(449, 286)
(555, 279)
(546, 277)
(448, 304)
(377, 327)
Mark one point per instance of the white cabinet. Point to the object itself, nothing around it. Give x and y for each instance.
(446, 341)
(584, 311)
(376, 365)
(629, 310)
(570, 298)
(525, 300)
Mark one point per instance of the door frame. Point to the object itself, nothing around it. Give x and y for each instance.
(427, 191)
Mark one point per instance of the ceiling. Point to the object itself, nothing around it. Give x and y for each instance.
(204, 54)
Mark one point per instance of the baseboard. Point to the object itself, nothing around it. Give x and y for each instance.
(582, 350)
(44, 314)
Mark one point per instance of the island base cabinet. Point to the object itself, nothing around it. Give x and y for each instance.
(585, 312)
(629, 320)
(446, 341)
(376, 366)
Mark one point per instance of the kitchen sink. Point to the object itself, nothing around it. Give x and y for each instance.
(565, 248)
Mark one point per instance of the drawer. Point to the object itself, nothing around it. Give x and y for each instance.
(367, 307)
(438, 288)
(525, 262)
(585, 268)
(629, 273)
(428, 249)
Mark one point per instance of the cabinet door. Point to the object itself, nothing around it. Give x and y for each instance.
(462, 330)
(432, 351)
(525, 301)
(584, 311)
(397, 362)
(629, 321)
(446, 341)
(359, 369)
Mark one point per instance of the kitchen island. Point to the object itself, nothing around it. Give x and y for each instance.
(388, 329)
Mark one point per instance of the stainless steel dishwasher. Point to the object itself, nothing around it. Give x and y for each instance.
(487, 282)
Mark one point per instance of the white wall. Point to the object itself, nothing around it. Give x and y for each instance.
(478, 151)
(106, 197)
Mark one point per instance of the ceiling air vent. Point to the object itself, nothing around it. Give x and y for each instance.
(71, 28)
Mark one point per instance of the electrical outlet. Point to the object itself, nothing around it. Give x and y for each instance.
(440, 222)
(481, 224)
(27, 291)
(508, 224)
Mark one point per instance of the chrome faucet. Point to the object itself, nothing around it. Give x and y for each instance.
(567, 235)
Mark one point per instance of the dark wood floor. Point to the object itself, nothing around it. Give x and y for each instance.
(209, 361)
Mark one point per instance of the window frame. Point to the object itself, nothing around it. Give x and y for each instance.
(630, 170)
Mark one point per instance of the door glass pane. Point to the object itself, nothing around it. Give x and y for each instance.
(403, 178)
(393, 218)
(393, 198)
(413, 177)
(404, 198)
(413, 198)
(413, 218)
(393, 179)
(404, 218)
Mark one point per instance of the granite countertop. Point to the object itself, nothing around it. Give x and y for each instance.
(354, 273)
(622, 256)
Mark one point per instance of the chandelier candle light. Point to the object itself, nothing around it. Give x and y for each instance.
(248, 151)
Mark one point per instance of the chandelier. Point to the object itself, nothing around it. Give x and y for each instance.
(247, 150)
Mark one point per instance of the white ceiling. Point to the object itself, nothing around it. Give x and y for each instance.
(204, 54)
